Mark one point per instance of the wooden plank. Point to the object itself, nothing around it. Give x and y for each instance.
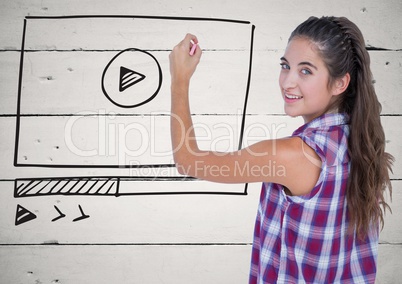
(9, 62)
(125, 264)
(392, 231)
(388, 264)
(75, 78)
(147, 219)
(380, 21)
(386, 67)
(264, 96)
(393, 134)
(220, 135)
(216, 132)
(147, 264)
(115, 141)
(114, 33)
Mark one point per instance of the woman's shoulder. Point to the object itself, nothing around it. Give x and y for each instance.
(327, 135)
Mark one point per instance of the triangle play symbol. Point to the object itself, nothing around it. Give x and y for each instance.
(23, 215)
(129, 78)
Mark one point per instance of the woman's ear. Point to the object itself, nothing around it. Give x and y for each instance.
(341, 84)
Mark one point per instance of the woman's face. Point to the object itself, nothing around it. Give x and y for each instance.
(304, 81)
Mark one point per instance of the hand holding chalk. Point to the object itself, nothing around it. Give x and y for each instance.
(184, 58)
(193, 48)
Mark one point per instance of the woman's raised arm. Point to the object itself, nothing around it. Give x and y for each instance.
(287, 161)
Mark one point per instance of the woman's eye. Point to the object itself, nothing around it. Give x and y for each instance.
(284, 66)
(306, 72)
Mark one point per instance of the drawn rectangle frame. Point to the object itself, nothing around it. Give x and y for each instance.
(117, 179)
(17, 163)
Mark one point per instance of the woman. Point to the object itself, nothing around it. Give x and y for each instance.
(319, 222)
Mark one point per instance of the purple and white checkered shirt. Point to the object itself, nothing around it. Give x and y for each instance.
(304, 239)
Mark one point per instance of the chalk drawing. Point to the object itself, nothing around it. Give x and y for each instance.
(102, 186)
(23, 215)
(130, 79)
(122, 92)
(83, 215)
(61, 215)
(66, 186)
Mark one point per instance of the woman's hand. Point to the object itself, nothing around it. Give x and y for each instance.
(182, 64)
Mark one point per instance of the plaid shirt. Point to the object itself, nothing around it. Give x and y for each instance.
(304, 239)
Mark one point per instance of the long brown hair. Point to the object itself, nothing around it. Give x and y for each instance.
(341, 46)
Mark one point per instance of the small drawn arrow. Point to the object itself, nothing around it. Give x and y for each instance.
(60, 216)
(83, 215)
(23, 215)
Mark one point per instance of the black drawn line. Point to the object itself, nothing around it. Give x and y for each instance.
(145, 244)
(83, 215)
(117, 50)
(56, 184)
(142, 114)
(100, 188)
(110, 187)
(21, 185)
(61, 215)
(33, 186)
(18, 123)
(65, 184)
(232, 193)
(131, 244)
(44, 186)
(85, 183)
(92, 186)
(106, 166)
(247, 88)
(71, 188)
(117, 186)
(140, 17)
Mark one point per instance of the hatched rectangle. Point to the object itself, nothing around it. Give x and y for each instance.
(65, 186)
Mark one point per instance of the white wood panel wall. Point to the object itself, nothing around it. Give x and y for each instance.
(161, 236)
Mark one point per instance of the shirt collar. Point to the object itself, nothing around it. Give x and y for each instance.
(324, 121)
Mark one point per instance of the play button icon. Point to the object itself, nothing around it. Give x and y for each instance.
(129, 78)
(132, 78)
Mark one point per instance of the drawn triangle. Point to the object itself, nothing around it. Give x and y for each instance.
(23, 215)
(129, 78)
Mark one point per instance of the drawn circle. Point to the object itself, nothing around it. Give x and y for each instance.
(132, 78)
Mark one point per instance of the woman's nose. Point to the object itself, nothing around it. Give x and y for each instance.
(288, 80)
